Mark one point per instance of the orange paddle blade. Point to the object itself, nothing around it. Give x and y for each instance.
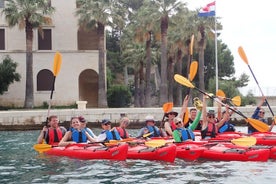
(167, 107)
(186, 117)
(57, 63)
(193, 70)
(258, 125)
(242, 55)
(192, 45)
(220, 93)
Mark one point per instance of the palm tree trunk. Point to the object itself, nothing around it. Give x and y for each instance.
(102, 101)
(170, 79)
(29, 91)
(148, 73)
(142, 85)
(178, 92)
(136, 88)
(164, 65)
(201, 65)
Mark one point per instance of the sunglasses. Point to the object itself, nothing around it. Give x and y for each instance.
(179, 122)
(211, 116)
(107, 124)
(261, 112)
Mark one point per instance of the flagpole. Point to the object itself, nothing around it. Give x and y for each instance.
(216, 49)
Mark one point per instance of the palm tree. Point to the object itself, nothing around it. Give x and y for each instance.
(165, 9)
(28, 14)
(145, 30)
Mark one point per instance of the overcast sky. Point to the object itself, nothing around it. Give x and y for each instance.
(252, 25)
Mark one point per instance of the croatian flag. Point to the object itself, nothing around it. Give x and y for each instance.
(208, 11)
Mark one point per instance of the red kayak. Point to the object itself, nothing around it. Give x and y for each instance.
(164, 153)
(267, 138)
(230, 152)
(91, 151)
(189, 151)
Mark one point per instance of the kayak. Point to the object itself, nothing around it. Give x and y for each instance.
(165, 153)
(267, 138)
(91, 151)
(230, 152)
(189, 151)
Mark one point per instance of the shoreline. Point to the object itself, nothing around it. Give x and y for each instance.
(14, 120)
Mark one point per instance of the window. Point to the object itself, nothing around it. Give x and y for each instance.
(2, 5)
(45, 80)
(45, 40)
(2, 39)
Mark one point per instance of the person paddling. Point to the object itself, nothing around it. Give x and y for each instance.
(83, 126)
(169, 125)
(181, 134)
(210, 124)
(124, 122)
(52, 134)
(258, 114)
(108, 133)
(76, 134)
(150, 129)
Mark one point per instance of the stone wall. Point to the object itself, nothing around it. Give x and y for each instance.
(33, 119)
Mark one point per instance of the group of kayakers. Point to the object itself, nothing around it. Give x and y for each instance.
(175, 127)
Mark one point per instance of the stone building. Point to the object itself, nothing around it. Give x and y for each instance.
(78, 77)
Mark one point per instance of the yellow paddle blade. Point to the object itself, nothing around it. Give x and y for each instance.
(220, 93)
(242, 55)
(155, 143)
(57, 63)
(148, 134)
(182, 80)
(258, 125)
(236, 101)
(192, 44)
(245, 141)
(167, 107)
(193, 70)
(42, 147)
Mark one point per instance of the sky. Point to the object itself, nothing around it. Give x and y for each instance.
(252, 25)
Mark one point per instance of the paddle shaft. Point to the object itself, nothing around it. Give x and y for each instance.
(260, 89)
(218, 101)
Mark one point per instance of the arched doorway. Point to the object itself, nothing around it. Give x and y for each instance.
(88, 87)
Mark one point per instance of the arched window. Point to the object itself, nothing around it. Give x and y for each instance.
(45, 80)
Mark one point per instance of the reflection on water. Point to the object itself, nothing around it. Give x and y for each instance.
(19, 163)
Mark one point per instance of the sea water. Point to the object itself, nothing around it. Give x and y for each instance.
(20, 163)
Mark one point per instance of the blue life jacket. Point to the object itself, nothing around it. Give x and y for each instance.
(227, 127)
(186, 134)
(156, 132)
(112, 135)
(77, 136)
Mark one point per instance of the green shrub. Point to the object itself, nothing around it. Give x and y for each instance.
(118, 96)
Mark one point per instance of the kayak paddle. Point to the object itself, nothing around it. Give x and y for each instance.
(244, 58)
(260, 126)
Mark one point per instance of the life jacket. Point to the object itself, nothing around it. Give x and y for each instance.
(227, 127)
(156, 132)
(54, 136)
(186, 134)
(78, 136)
(210, 131)
(122, 132)
(173, 126)
(112, 135)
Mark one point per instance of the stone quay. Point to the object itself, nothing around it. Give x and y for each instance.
(35, 119)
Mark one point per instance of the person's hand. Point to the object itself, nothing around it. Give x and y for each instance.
(44, 129)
